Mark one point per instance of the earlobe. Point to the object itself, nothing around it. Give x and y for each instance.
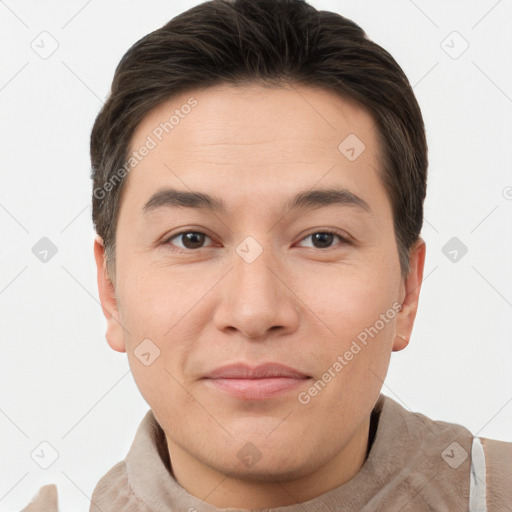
(400, 343)
(106, 290)
(412, 287)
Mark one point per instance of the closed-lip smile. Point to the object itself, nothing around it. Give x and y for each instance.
(261, 382)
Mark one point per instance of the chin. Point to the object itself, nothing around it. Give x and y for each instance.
(268, 464)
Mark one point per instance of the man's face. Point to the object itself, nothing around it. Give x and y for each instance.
(260, 281)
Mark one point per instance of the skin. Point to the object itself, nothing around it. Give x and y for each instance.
(299, 303)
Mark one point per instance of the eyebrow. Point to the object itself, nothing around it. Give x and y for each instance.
(173, 198)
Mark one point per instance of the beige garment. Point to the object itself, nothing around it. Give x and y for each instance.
(415, 464)
(45, 501)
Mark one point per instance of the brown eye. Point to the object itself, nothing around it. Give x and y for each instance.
(189, 240)
(324, 239)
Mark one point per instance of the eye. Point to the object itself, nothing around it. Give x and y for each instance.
(195, 240)
(189, 239)
(324, 239)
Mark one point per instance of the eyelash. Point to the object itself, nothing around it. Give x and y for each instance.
(344, 240)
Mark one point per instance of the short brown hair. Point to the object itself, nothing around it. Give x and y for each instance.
(275, 42)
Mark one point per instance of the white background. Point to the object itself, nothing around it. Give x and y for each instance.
(59, 380)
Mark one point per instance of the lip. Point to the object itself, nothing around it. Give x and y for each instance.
(245, 371)
(262, 382)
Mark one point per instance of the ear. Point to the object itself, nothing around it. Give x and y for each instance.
(114, 334)
(411, 293)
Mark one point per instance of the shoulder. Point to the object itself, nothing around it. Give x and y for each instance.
(113, 492)
(480, 468)
(498, 473)
(417, 429)
(44, 501)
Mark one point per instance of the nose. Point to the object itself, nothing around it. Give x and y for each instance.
(257, 299)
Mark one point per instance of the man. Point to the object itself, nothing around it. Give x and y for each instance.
(259, 175)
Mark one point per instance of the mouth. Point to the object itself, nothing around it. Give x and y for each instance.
(262, 382)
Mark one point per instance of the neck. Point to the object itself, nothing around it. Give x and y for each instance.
(230, 491)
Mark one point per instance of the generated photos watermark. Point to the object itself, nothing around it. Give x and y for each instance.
(304, 397)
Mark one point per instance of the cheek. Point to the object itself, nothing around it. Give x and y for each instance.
(352, 355)
(157, 312)
(150, 303)
(349, 300)
(356, 314)
(152, 311)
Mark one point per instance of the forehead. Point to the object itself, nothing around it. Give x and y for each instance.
(273, 113)
(255, 138)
